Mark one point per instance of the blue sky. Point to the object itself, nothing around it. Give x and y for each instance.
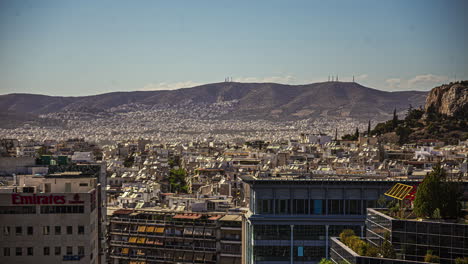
(91, 47)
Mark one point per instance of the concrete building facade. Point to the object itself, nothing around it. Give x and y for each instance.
(49, 219)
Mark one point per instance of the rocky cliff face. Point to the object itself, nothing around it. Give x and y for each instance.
(450, 99)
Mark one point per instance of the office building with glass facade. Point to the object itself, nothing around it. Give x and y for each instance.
(412, 238)
(290, 220)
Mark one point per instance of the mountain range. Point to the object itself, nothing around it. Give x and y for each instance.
(245, 100)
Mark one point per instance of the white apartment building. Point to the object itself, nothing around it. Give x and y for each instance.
(49, 219)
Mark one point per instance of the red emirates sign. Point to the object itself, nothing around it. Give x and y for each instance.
(37, 199)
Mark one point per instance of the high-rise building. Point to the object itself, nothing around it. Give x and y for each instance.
(291, 219)
(50, 219)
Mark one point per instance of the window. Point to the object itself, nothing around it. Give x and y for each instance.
(353, 207)
(46, 251)
(69, 230)
(264, 206)
(271, 253)
(18, 251)
(58, 251)
(6, 231)
(6, 252)
(69, 250)
(17, 209)
(80, 230)
(30, 230)
(317, 207)
(276, 232)
(68, 187)
(83, 184)
(46, 230)
(47, 187)
(30, 251)
(62, 209)
(300, 206)
(282, 206)
(335, 207)
(58, 230)
(309, 232)
(19, 230)
(80, 251)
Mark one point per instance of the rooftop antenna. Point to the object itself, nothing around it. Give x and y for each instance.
(353, 78)
(337, 77)
(328, 77)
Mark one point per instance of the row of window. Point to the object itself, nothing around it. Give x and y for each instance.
(45, 209)
(45, 230)
(300, 232)
(46, 251)
(17, 209)
(313, 207)
(282, 253)
(67, 209)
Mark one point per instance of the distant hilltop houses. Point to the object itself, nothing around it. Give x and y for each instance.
(233, 201)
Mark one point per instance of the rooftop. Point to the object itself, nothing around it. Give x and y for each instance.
(409, 216)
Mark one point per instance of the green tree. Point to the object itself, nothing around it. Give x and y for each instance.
(43, 151)
(438, 192)
(461, 260)
(129, 160)
(395, 119)
(386, 249)
(326, 261)
(403, 132)
(436, 214)
(345, 234)
(372, 252)
(431, 258)
(368, 129)
(428, 196)
(382, 201)
(177, 180)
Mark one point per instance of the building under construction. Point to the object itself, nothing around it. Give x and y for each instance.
(151, 236)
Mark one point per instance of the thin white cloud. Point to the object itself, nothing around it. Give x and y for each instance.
(418, 82)
(426, 79)
(169, 85)
(393, 83)
(361, 77)
(287, 79)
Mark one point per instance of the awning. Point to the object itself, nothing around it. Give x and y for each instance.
(141, 228)
(215, 217)
(132, 240)
(236, 218)
(141, 240)
(160, 230)
(124, 250)
(150, 229)
(187, 216)
(122, 212)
